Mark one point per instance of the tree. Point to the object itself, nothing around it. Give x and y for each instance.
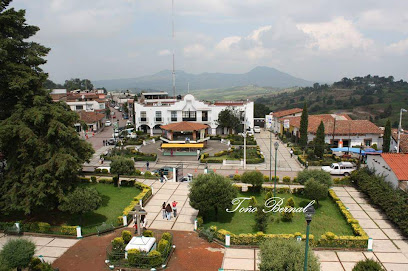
(319, 175)
(261, 219)
(37, 136)
(253, 177)
(260, 110)
(285, 254)
(81, 201)
(315, 190)
(387, 137)
(304, 119)
(77, 83)
(48, 84)
(229, 118)
(211, 192)
(107, 112)
(121, 165)
(368, 265)
(319, 141)
(17, 253)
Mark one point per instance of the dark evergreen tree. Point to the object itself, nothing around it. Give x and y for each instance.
(319, 141)
(387, 137)
(304, 122)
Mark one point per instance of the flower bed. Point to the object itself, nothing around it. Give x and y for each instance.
(254, 156)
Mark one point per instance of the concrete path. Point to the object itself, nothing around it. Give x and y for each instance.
(390, 247)
(49, 247)
(168, 192)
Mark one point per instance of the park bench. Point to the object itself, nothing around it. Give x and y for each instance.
(105, 227)
(13, 230)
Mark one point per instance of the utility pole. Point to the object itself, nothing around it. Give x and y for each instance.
(174, 71)
(400, 129)
(245, 134)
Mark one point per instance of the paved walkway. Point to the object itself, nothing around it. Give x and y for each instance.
(390, 248)
(168, 192)
(48, 247)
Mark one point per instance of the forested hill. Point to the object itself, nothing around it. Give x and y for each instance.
(370, 97)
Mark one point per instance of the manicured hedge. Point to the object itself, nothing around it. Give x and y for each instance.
(144, 195)
(392, 202)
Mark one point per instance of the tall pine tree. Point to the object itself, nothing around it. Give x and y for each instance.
(304, 122)
(41, 147)
(387, 137)
(319, 141)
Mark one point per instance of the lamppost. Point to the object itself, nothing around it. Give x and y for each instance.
(276, 158)
(270, 154)
(309, 212)
(400, 129)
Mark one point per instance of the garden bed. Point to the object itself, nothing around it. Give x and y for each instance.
(253, 154)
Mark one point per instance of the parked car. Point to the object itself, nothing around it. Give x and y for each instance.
(128, 122)
(108, 123)
(257, 129)
(117, 107)
(114, 116)
(111, 141)
(125, 116)
(115, 133)
(165, 170)
(341, 168)
(250, 132)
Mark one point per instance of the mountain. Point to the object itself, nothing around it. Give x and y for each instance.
(260, 76)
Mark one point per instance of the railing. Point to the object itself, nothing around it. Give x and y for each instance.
(173, 119)
(143, 119)
(158, 119)
(189, 119)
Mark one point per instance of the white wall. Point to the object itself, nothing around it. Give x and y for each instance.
(377, 163)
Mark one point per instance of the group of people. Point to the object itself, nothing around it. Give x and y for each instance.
(168, 209)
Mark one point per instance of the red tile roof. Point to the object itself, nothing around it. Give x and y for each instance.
(288, 112)
(403, 140)
(184, 126)
(398, 162)
(90, 117)
(344, 126)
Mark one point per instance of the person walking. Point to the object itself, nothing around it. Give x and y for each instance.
(174, 204)
(147, 165)
(104, 143)
(161, 176)
(307, 165)
(164, 210)
(168, 211)
(291, 153)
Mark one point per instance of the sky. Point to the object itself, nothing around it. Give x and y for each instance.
(316, 40)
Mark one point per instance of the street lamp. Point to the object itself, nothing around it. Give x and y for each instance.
(270, 154)
(400, 129)
(276, 158)
(309, 212)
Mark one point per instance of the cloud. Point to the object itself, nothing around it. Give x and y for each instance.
(164, 52)
(336, 34)
(395, 20)
(398, 48)
(194, 50)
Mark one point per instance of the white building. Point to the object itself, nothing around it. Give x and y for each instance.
(393, 166)
(156, 108)
(272, 120)
(88, 102)
(340, 130)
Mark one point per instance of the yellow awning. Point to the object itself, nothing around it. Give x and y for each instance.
(178, 145)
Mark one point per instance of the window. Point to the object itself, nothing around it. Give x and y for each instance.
(189, 115)
(204, 116)
(79, 107)
(367, 142)
(143, 116)
(158, 116)
(173, 115)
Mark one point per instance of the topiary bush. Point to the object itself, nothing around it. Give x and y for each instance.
(147, 174)
(368, 265)
(281, 254)
(93, 179)
(134, 256)
(253, 177)
(163, 246)
(17, 254)
(155, 258)
(200, 221)
(43, 227)
(236, 177)
(126, 236)
(252, 202)
(167, 236)
(286, 179)
(147, 233)
(319, 175)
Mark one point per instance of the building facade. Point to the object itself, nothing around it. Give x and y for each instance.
(155, 109)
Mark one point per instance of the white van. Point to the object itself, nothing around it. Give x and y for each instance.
(342, 168)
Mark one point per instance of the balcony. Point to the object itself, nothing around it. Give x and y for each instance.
(158, 119)
(189, 119)
(143, 120)
(174, 119)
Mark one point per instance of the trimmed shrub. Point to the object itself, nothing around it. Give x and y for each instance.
(162, 247)
(147, 233)
(167, 236)
(118, 242)
(93, 179)
(98, 170)
(155, 258)
(287, 216)
(236, 177)
(286, 179)
(290, 202)
(68, 230)
(105, 180)
(126, 236)
(43, 227)
(200, 221)
(315, 190)
(280, 254)
(253, 177)
(147, 174)
(105, 171)
(134, 256)
(367, 265)
(261, 219)
(138, 172)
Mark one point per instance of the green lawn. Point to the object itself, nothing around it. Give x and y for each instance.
(114, 200)
(326, 218)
